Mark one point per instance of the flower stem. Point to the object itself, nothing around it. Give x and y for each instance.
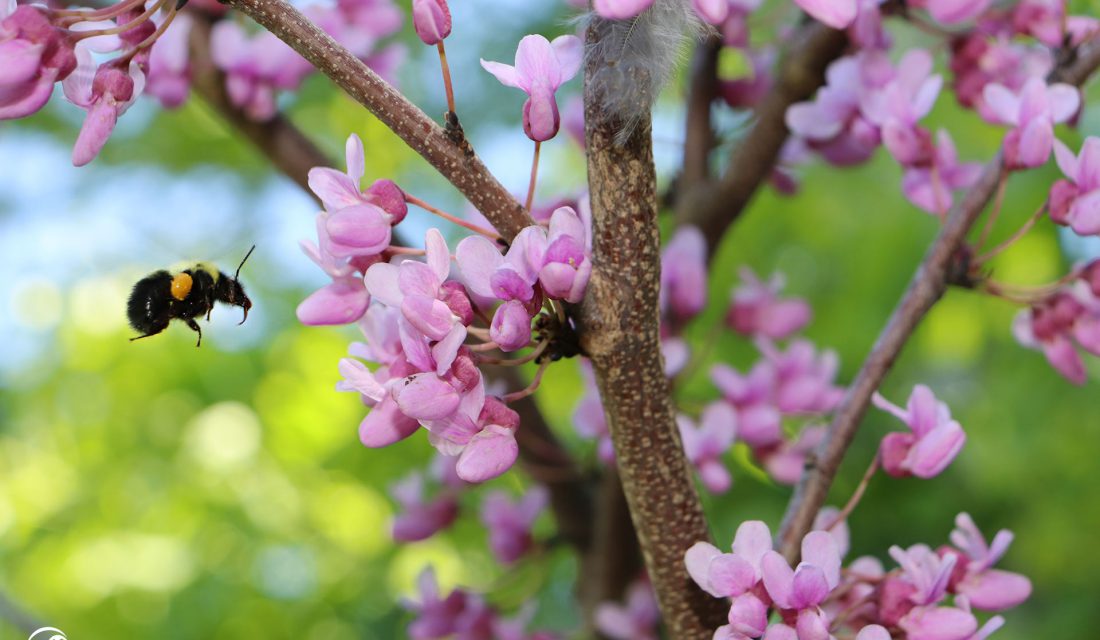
(492, 235)
(531, 388)
(534, 177)
(857, 495)
(446, 78)
(148, 13)
(988, 255)
(515, 362)
(68, 17)
(991, 220)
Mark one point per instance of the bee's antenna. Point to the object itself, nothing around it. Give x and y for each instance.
(237, 275)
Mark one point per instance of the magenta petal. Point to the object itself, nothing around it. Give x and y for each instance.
(341, 302)
(511, 326)
(478, 258)
(417, 278)
(894, 452)
(430, 316)
(748, 615)
(362, 229)
(838, 14)
(780, 631)
(812, 625)
(698, 559)
(21, 59)
(335, 188)
(445, 351)
(540, 116)
(996, 590)
(98, 125)
(1036, 143)
(752, 541)
(820, 549)
(940, 623)
(809, 586)
(382, 282)
(731, 575)
(432, 20)
(1063, 356)
(620, 9)
(425, 396)
(385, 425)
(1084, 214)
(779, 579)
(357, 377)
(933, 452)
(488, 454)
(425, 521)
(873, 632)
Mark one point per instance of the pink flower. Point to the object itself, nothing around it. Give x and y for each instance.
(712, 12)
(1076, 201)
(589, 418)
(805, 588)
(934, 442)
(436, 617)
(169, 78)
(620, 9)
(838, 14)
(1033, 112)
(432, 20)
(900, 104)
(758, 420)
(1058, 325)
(541, 67)
(255, 68)
(757, 308)
(804, 377)
(725, 575)
(786, 462)
(833, 123)
(421, 518)
(705, 445)
(481, 431)
(105, 94)
(979, 59)
(684, 274)
(636, 620)
(417, 289)
(509, 523)
(930, 188)
(953, 11)
(986, 588)
(36, 55)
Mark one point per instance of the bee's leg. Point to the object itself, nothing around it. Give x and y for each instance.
(194, 327)
(148, 335)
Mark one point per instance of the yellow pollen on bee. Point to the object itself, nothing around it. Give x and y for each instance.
(181, 286)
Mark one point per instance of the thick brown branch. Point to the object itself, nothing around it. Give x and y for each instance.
(714, 206)
(284, 144)
(448, 152)
(926, 287)
(620, 334)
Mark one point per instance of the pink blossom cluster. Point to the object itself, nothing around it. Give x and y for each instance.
(464, 615)
(42, 46)
(817, 598)
(259, 65)
(1064, 323)
(795, 383)
(417, 319)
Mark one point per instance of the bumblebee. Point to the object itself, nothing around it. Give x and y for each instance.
(183, 294)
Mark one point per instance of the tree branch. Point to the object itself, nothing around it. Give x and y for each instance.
(446, 150)
(294, 154)
(619, 325)
(713, 206)
(927, 286)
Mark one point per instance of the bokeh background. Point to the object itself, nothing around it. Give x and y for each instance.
(156, 490)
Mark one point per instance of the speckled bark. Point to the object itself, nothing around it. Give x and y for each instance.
(620, 334)
(447, 151)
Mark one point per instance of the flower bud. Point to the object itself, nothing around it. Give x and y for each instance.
(432, 20)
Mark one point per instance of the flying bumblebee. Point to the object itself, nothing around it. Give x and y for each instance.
(184, 294)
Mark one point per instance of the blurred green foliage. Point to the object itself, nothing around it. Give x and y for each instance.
(155, 490)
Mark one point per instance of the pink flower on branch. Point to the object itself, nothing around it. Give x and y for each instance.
(757, 309)
(705, 444)
(1032, 112)
(934, 442)
(541, 67)
(509, 523)
(986, 588)
(432, 20)
(1075, 201)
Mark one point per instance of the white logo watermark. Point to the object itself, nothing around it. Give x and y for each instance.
(40, 634)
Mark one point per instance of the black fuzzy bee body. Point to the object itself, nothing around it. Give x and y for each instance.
(184, 294)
